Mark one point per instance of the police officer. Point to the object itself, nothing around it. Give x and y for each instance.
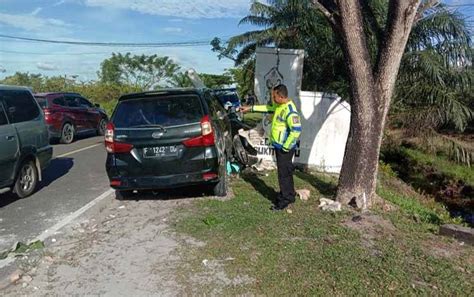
(286, 129)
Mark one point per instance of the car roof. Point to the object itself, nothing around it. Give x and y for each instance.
(176, 91)
(13, 88)
(226, 90)
(56, 93)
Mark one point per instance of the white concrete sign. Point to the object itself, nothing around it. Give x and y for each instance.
(326, 121)
(325, 118)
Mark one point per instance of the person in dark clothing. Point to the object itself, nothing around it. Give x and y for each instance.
(286, 129)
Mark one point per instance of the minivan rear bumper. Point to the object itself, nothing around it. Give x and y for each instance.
(121, 178)
(160, 182)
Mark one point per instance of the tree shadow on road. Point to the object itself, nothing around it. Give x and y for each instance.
(57, 168)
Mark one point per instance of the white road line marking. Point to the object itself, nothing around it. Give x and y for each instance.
(51, 231)
(73, 216)
(77, 151)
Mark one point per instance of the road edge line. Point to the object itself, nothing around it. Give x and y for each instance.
(78, 151)
(59, 225)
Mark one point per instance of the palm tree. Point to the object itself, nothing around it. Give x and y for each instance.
(437, 75)
(291, 24)
(435, 82)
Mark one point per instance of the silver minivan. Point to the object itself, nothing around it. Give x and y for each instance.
(24, 141)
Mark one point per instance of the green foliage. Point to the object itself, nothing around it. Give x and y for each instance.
(104, 94)
(447, 168)
(22, 248)
(420, 212)
(435, 83)
(243, 77)
(146, 72)
(180, 80)
(314, 253)
(216, 81)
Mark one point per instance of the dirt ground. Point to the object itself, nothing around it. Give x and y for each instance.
(122, 248)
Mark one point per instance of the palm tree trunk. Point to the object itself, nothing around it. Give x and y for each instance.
(371, 92)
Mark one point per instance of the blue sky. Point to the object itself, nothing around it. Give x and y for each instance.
(117, 21)
(113, 21)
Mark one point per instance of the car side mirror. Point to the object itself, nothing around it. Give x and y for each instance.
(97, 105)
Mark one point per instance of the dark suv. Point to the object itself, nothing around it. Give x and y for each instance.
(168, 139)
(24, 145)
(70, 114)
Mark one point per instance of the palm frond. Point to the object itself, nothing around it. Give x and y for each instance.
(260, 21)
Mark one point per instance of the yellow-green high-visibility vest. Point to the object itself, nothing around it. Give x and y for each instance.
(286, 124)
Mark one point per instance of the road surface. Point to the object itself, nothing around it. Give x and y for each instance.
(75, 177)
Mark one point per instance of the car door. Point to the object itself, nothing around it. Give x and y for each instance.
(220, 121)
(9, 148)
(92, 115)
(76, 112)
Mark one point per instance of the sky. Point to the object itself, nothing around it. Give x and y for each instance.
(130, 21)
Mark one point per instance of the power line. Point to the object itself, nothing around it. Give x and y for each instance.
(112, 44)
(70, 54)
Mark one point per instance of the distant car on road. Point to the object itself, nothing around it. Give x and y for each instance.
(24, 143)
(70, 114)
(168, 139)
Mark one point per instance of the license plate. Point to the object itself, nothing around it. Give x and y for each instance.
(160, 151)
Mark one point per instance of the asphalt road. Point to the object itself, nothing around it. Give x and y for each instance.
(75, 177)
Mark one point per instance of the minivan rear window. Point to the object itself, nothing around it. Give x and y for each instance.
(162, 111)
(20, 105)
(42, 101)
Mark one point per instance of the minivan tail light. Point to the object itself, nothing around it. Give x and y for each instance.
(207, 135)
(113, 146)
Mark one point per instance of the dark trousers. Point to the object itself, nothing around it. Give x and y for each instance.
(285, 177)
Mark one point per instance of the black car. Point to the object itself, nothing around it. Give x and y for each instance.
(168, 139)
(228, 96)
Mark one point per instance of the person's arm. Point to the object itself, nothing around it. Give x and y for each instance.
(294, 123)
(263, 108)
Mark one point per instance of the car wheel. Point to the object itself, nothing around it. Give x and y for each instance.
(102, 127)
(67, 133)
(27, 180)
(221, 188)
(123, 195)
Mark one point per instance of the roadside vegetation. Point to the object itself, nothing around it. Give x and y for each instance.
(121, 74)
(392, 250)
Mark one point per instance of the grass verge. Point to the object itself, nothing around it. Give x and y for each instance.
(309, 252)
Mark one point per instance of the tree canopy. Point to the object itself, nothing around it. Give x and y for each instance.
(146, 72)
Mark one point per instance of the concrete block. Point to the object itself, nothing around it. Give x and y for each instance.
(464, 234)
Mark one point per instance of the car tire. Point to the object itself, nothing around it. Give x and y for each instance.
(27, 179)
(221, 188)
(102, 127)
(67, 133)
(123, 195)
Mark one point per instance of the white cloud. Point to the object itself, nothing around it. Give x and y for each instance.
(60, 2)
(36, 11)
(46, 66)
(172, 30)
(182, 8)
(31, 22)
